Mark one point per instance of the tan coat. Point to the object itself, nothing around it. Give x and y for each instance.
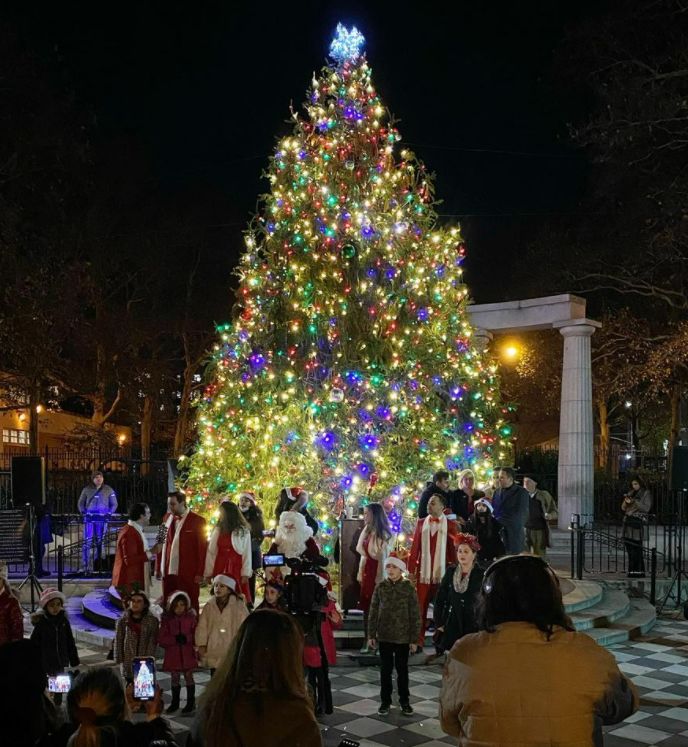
(216, 630)
(514, 688)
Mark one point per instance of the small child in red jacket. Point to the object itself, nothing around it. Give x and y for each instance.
(177, 638)
(11, 619)
(318, 677)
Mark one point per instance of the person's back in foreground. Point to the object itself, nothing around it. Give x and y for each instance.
(528, 678)
(258, 695)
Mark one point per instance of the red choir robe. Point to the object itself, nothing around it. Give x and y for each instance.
(425, 561)
(183, 561)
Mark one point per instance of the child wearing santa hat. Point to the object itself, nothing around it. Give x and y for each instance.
(53, 636)
(394, 626)
(177, 631)
(219, 622)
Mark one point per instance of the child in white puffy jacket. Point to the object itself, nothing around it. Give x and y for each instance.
(219, 622)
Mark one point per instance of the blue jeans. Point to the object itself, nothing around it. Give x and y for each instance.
(94, 529)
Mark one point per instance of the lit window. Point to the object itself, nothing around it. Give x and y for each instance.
(14, 436)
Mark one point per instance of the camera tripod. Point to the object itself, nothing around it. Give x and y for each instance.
(680, 574)
(31, 578)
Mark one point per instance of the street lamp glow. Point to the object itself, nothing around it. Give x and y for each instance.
(511, 352)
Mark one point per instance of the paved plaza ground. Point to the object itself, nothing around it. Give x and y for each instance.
(658, 664)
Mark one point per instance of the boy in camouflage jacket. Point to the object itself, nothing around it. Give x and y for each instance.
(394, 625)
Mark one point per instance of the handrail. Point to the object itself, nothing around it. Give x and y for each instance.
(600, 548)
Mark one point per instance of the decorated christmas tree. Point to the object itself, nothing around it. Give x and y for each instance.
(348, 367)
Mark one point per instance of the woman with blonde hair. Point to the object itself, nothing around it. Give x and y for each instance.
(258, 695)
(467, 487)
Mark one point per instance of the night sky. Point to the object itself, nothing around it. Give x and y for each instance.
(199, 92)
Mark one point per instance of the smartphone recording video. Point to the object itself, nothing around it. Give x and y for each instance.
(60, 683)
(143, 669)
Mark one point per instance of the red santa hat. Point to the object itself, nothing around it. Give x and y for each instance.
(49, 594)
(228, 581)
(296, 495)
(394, 559)
(248, 495)
(171, 600)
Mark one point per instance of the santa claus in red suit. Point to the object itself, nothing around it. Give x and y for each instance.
(294, 539)
(182, 560)
(131, 571)
(432, 551)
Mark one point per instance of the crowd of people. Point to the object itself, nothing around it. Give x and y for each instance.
(477, 557)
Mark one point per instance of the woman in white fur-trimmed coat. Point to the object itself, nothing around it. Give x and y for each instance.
(229, 548)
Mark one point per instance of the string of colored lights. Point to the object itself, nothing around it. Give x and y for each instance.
(348, 367)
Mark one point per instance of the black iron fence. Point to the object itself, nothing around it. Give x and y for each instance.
(599, 548)
(72, 544)
(68, 472)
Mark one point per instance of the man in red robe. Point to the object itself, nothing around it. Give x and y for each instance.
(182, 560)
(432, 551)
(131, 571)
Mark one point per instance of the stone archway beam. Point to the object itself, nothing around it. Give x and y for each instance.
(527, 315)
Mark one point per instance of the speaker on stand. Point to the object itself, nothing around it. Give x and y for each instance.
(28, 480)
(679, 484)
(28, 489)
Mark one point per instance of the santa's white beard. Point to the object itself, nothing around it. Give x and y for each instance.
(291, 544)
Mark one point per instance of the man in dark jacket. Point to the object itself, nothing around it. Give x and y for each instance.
(510, 503)
(438, 486)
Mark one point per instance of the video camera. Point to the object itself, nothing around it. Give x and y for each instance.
(303, 592)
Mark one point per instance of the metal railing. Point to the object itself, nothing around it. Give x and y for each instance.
(599, 548)
(79, 546)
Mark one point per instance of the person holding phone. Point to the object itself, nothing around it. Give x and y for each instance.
(99, 710)
(52, 634)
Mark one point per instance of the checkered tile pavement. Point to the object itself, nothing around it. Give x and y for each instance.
(658, 664)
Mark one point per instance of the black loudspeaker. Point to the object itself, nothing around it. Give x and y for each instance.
(28, 480)
(679, 468)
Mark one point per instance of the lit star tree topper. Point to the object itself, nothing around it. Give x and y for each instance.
(348, 367)
(347, 45)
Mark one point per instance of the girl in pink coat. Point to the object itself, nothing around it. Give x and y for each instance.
(177, 638)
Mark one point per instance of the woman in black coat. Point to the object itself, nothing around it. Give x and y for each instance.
(454, 608)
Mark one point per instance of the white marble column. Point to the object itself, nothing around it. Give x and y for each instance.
(576, 435)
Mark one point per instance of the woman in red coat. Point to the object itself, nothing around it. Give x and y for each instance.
(11, 620)
(229, 548)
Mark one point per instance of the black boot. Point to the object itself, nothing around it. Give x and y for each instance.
(190, 699)
(174, 705)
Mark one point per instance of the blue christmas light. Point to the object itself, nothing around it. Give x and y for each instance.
(369, 441)
(326, 440)
(346, 45)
